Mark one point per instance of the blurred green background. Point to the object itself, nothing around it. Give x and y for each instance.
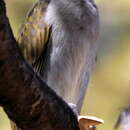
(109, 89)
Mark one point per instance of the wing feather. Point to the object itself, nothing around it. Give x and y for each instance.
(34, 34)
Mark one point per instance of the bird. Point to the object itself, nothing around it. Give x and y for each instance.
(58, 39)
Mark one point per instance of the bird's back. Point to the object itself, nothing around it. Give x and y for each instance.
(74, 32)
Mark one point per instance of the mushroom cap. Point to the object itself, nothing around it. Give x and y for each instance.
(89, 121)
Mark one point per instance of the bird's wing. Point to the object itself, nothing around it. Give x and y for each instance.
(34, 34)
(33, 37)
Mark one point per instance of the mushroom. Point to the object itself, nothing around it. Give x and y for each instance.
(89, 122)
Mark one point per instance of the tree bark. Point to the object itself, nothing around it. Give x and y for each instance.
(26, 99)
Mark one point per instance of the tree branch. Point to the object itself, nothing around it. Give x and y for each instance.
(27, 100)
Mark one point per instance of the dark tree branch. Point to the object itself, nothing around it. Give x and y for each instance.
(27, 100)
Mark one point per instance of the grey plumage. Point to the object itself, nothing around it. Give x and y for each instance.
(74, 31)
(67, 57)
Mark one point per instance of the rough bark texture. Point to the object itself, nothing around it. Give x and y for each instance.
(26, 99)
